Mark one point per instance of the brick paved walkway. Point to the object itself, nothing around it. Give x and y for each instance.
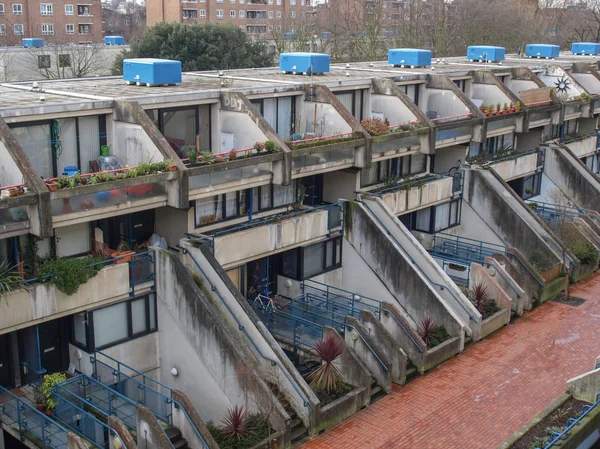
(482, 396)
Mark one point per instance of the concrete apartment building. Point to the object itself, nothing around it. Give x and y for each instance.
(356, 236)
(62, 21)
(257, 17)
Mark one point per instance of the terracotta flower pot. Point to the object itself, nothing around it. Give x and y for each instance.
(172, 167)
(52, 186)
(124, 257)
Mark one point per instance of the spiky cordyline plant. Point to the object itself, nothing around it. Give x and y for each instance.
(426, 330)
(9, 278)
(234, 422)
(327, 377)
(479, 296)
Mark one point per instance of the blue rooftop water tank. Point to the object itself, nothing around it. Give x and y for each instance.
(542, 51)
(485, 53)
(304, 63)
(413, 57)
(585, 48)
(114, 40)
(151, 72)
(32, 42)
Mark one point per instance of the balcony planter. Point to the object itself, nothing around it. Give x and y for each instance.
(52, 186)
(172, 167)
(122, 256)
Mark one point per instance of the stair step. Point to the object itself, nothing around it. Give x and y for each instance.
(295, 423)
(299, 432)
(375, 390)
(173, 433)
(180, 444)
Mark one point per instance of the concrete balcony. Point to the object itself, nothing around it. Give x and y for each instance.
(44, 301)
(15, 213)
(421, 192)
(518, 165)
(453, 136)
(583, 146)
(253, 240)
(323, 154)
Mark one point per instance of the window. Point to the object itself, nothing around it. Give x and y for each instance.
(18, 29)
(270, 30)
(293, 2)
(498, 143)
(242, 2)
(232, 14)
(399, 168)
(437, 218)
(270, 2)
(279, 112)
(353, 101)
(219, 13)
(115, 324)
(270, 14)
(461, 84)
(84, 29)
(70, 28)
(84, 10)
(219, 1)
(570, 127)
(190, 14)
(47, 29)
(46, 9)
(278, 15)
(232, 2)
(301, 2)
(242, 13)
(64, 60)
(278, 2)
(527, 187)
(43, 61)
(203, 13)
(293, 14)
(279, 26)
(17, 9)
(2, 9)
(321, 257)
(2, 30)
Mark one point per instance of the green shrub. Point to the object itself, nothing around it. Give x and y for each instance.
(69, 273)
(585, 252)
(540, 260)
(48, 383)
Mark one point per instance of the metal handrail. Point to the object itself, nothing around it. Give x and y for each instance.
(368, 346)
(307, 298)
(243, 329)
(442, 287)
(304, 285)
(571, 422)
(45, 418)
(505, 280)
(395, 318)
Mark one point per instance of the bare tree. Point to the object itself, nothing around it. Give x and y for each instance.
(561, 227)
(6, 65)
(59, 60)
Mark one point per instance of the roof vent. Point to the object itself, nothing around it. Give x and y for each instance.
(151, 72)
(485, 53)
(305, 63)
(409, 57)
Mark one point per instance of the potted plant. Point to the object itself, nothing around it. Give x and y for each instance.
(270, 146)
(232, 155)
(206, 157)
(171, 165)
(52, 185)
(39, 398)
(505, 108)
(259, 147)
(498, 109)
(48, 384)
(123, 254)
(490, 111)
(518, 106)
(193, 157)
(482, 108)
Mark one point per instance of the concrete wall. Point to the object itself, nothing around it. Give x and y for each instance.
(529, 140)
(172, 224)
(131, 144)
(499, 273)
(473, 226)
(392, 108)
(253, 243)
(517, 85)
(247, 133)
(489, 93)
(433, 192)
(215, 369)
(328, 120)
(259, 334)
(516, 168)
(479, 275)
(9, 172)
(150, 433)
(444, 102)
(43, 302)
(340, 184)
(448, 157)
(583, 147)
(573, 178)
(586, 386)
(410, 290)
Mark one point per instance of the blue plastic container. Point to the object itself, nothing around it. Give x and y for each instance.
(70, 170)
(413, 57)
(304, 62)
(32, 42)
(114, 40)
(542, 51)
(485, 53)
(152, 72)
(585, 48)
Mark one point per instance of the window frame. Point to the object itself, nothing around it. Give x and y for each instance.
(2, 29)
(398, 165)
(337, 242)
(67, 25)
(432, 217)
(232, 13)
(46, 59)
(90, 345)
(202, 14)
(49, 29)
(2, 10)
(19, 10)
(219, 14)
(22, 32)
(49, 7)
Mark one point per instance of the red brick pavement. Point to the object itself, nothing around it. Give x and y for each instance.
(481, 397)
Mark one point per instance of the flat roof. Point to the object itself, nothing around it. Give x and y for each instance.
(196, 86)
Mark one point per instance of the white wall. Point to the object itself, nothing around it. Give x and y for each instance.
(473, 227)
(131, 144)
(392, 108)
(490, 94)
(516, 86)
(446, 158)
(551, 79)
(444, 102)
(246, 131)
(328, 122)
(9, 172)
(588, 81)
(546, 188)
(340, 185)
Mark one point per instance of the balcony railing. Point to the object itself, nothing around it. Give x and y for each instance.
(324, 140)
(454, 133)
(225, 176)
(451, 118)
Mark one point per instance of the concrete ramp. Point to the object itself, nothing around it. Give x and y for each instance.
(428, 268)
(383, 253)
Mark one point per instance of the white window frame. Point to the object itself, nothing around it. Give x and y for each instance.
(17, 9)
(293, 2)
(15, 29)
(270, 14)
(202, 14)
(278, 2)
(278, 28)
(278, 14)
(270, 28)
(242, 13)
(84, 25)
(72, 25)
(219, 13)
(293, 14)
(232, 14)
(46, 9)
(2, 29)
(49, 29)
(219, 1)
(2, 10)
(67, 13)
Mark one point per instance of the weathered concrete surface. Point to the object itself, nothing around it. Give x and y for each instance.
(585, 387)
(154, 436)
(508, 284)
(402, 201)
(123, 432)
(480, 276)
(187, 428)
(516, 168)
(583, 147)
(403, 334)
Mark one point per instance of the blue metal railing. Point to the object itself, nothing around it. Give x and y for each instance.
(244, 331)
(465, 245)
(505, 280)
(395, 318)
(572, 422)
(457, 183)
(540, 160)
(368, 346)
(159, 403)
(334, 220)
(553, 212)
(332, 293)
(440, 286)
(30, 421)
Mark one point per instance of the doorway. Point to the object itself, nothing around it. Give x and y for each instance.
(6, 377)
